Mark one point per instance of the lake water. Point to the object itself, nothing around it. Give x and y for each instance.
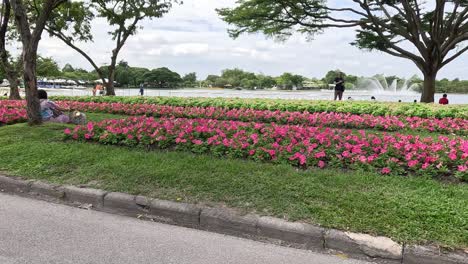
(307, 95)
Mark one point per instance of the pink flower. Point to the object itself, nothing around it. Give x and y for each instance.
(462, 168)
(386, 170)
(67, 131)
(452, 155)
(371, 158)
(320, 154)
(180, 140)
(363, 159)
(299, 156)
(321, 164)
(271, 152)
(197, 142)
(90, 126)
(254, 138)
(412, 163)
(130, 136)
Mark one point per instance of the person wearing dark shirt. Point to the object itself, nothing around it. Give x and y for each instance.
(339, 87)
(444, 100)
(142, 90)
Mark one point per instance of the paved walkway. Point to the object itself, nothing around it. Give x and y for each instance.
(36, 232)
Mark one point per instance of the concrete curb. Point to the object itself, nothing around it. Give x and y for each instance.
(225, 221)
(297, 235)
(12, 185)
(432, 255)
(175, 213)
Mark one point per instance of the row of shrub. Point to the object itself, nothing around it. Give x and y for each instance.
(355, 107)
(447, 125)
(303, 146)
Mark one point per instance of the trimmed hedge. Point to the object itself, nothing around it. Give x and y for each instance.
(356, 107)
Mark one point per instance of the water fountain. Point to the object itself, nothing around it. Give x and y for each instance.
(393, 86)
(379, 85)
(404, 87)
(370, 84)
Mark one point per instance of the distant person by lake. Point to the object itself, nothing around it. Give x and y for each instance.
(142, 90)
(339, 86)
(444, 100)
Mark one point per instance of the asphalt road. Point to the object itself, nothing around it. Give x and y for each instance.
(34, 231)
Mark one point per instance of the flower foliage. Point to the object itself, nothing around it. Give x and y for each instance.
(311, 106)
(299, 145)
(329, 119)
(12, 115)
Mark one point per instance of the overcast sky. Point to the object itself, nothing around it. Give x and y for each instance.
(192, 38)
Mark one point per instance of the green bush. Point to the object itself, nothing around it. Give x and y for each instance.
(356, 107)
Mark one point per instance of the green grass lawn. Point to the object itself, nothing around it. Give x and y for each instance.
(413, 210)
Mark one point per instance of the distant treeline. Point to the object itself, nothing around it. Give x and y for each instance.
(128, 76)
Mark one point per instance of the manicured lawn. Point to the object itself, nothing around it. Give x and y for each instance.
(414, 210)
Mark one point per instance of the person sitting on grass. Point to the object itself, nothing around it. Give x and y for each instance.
(50, 111)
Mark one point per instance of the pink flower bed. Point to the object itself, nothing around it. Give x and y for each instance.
(339, 120)
(12, 115)
(12, 103)
(304, 146)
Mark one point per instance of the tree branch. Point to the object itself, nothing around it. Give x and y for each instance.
(69, 42)
(456, 55)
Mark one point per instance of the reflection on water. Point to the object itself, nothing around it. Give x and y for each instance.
(307, 95)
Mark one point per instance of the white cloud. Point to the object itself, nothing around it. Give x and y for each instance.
(191, 49)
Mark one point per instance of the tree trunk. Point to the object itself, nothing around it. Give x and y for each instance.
(14, 88)
(110, 84)
(428, 91)
(30, 85)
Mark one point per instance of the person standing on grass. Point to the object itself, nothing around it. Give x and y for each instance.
(339, 86)
(444, 100)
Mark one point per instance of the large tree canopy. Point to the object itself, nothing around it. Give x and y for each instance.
(435, 29)
(72, 25)
(47, 67)
(29, 26)
(162, 78)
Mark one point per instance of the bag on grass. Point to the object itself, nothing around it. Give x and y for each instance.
(77, 118)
